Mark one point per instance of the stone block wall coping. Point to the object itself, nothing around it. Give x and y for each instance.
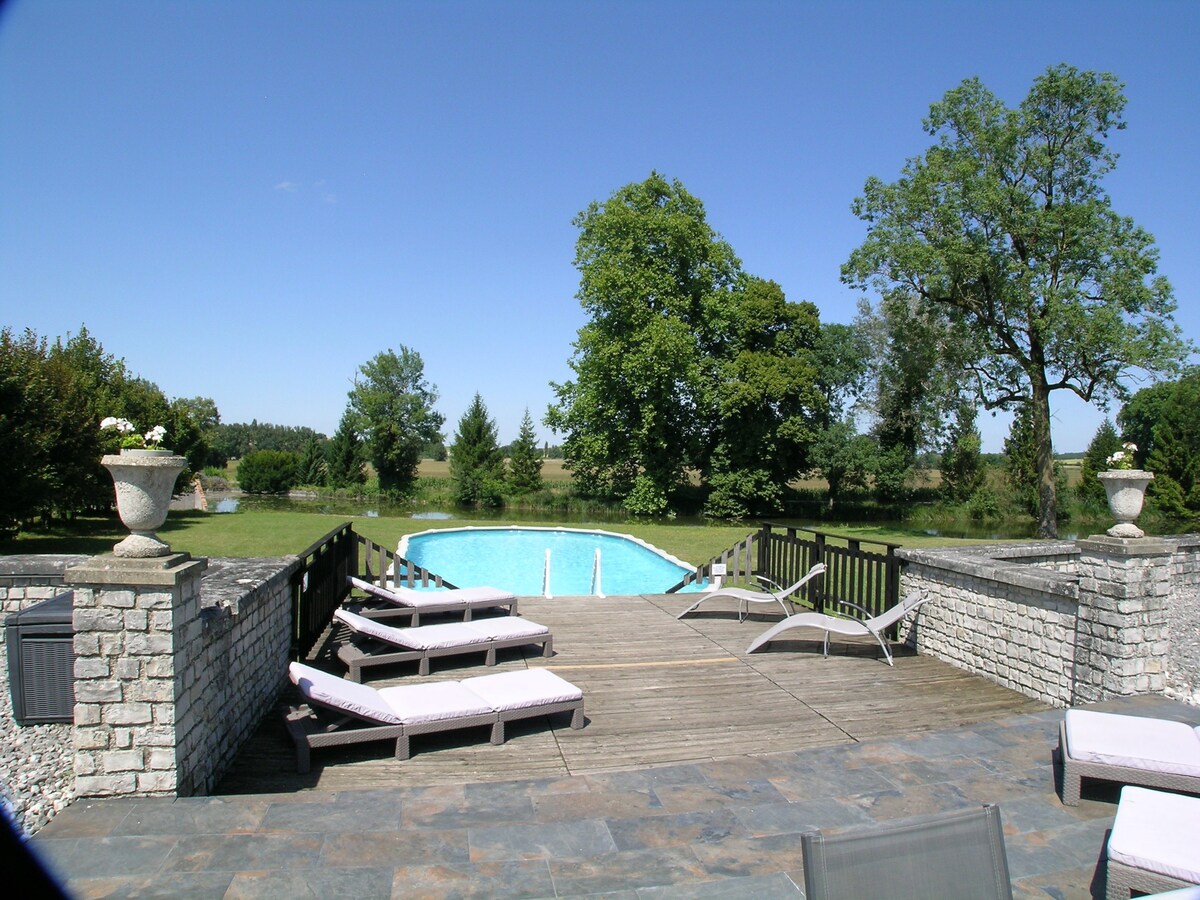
(166, 571)
(231, 583)
(37, 565)
(1102, 544)
(1000, 563)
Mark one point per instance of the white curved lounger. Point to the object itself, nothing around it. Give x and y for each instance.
(843, 625)
(745, 597)
(404, 601)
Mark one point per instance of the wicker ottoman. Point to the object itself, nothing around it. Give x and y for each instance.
(1155, 843)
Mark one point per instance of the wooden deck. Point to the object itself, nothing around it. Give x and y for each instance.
(658, 691)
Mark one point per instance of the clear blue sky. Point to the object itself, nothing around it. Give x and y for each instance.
(246, 201)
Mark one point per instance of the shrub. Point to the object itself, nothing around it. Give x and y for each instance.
(268, 471)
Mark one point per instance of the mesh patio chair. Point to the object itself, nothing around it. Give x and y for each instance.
(958, 854)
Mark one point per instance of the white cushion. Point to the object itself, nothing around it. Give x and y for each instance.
(433, 702)
(357, 699)
(424, 637)
(1157, 832)
(406, 597)
(506, 627)
(474, 595)
(522, 689)
(1155, 745)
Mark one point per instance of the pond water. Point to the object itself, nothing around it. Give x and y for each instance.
(546, 561)
(230, 503)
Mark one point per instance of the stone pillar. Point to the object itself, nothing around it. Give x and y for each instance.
(136, 622)
(1121, 633)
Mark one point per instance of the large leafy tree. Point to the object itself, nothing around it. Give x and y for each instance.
(655, 283)
(767, 398)
(1003, 226)
(394, 405)
(476, 461)
(1173, 457)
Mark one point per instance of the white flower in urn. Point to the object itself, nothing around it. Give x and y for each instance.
(130, 439)
(1123, 458)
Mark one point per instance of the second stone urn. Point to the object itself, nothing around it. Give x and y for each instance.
(1126, 489)
(144, 481)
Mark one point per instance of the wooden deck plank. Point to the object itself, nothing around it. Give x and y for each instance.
(659, 691)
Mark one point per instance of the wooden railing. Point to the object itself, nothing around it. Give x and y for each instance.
(390, 566)
(852, 575)
(319, 585)
(739, 562)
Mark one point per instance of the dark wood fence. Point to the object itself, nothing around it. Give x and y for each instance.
(382, 565)
(784, 554)
(319, 585)
(852, 575)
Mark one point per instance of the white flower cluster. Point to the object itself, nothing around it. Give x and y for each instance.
(1123, 459)
(153, 437)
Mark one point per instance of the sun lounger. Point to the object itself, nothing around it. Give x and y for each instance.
(873, 626)
(745, 597)
(342, 712)
(378, 644)
(1154, 844)
(1129, 749)
(402, 601)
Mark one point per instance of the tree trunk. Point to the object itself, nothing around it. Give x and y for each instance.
(1047, 487)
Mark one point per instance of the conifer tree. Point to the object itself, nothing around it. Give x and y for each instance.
(476, 462)
(525, 463)
(345, 455)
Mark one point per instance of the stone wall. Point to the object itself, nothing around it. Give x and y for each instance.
(1183, 623)
(175, 667)
(29, 579)
(1004, 612)
(1064, 622)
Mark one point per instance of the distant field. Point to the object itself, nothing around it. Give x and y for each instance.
(552, 470)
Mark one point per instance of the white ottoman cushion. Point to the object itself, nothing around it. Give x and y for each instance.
(424, 637)
(1157, 832)
(1156, 745)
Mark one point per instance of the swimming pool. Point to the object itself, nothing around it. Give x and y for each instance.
(532, 561)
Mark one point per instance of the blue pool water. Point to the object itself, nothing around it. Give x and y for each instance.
(515, 559)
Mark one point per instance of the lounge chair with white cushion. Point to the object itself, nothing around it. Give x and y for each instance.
(341, 712)
(874, 626)
(745, 597)
(1154, 844)
(398, 600)
(377, 644)
(1129, 749)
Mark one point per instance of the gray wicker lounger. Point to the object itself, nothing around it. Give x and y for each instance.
(1129, 749)
(403, 601)
(1153, 844)
(377, 644)
(341, 712)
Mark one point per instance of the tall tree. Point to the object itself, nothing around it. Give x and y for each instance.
(1173, 457)
(345, 454)
(394, 404)
(525, 460)
(476, 461)
(1003, 226)
(962, 460)
(767, 400)
(655, 281)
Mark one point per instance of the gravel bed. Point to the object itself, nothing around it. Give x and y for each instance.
(37, 777)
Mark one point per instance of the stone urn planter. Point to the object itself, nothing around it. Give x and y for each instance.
(1126, 489)
(145, 481)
